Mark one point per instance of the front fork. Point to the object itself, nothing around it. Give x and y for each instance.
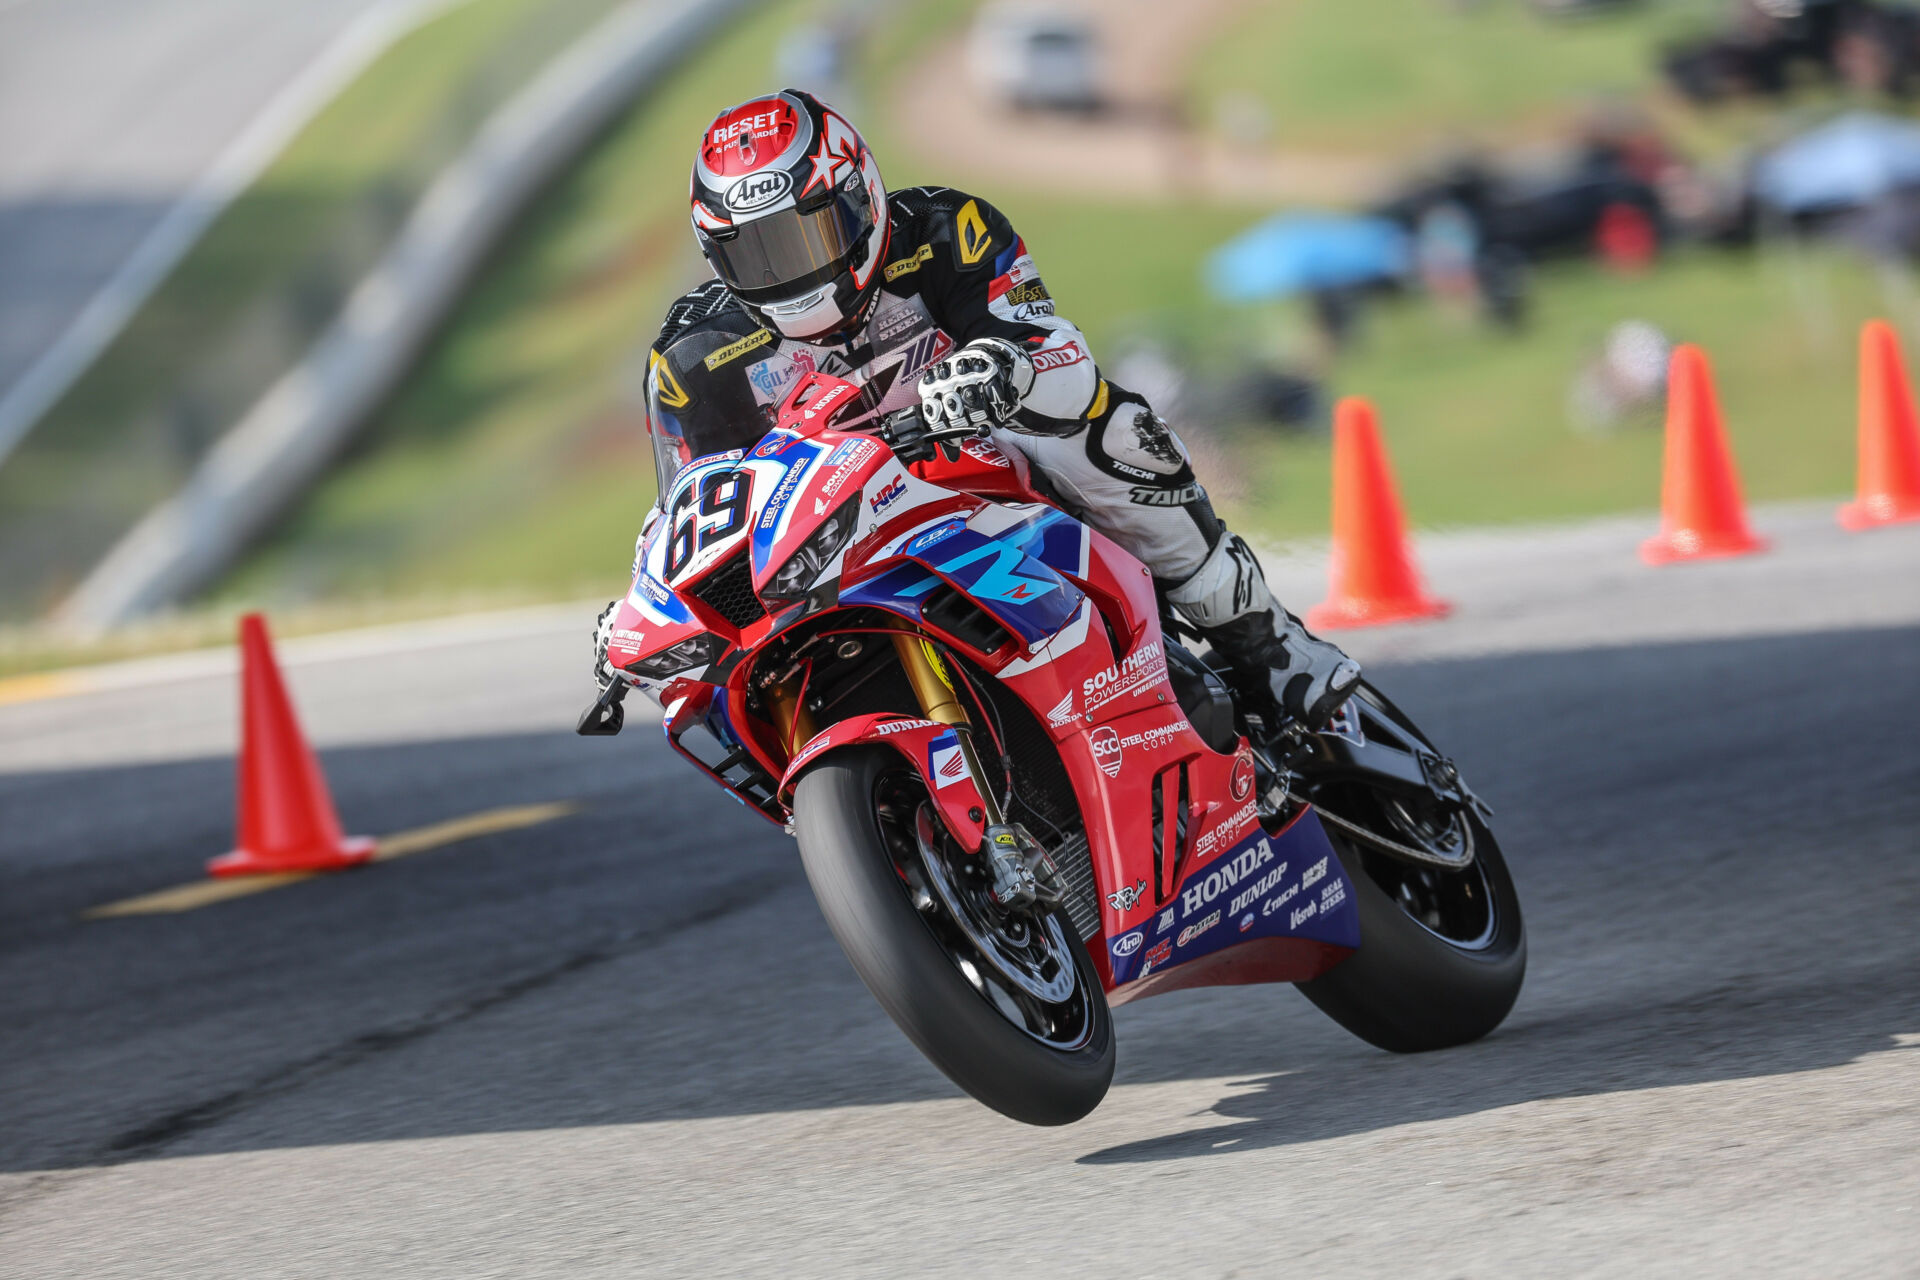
(1022, 871)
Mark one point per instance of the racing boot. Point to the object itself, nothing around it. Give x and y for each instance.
(1265, 646)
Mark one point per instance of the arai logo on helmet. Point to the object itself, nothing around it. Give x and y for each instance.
(758, 190)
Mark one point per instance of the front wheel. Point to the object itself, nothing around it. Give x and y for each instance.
(1007, 1004)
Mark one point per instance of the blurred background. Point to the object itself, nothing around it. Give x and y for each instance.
(1493, 217)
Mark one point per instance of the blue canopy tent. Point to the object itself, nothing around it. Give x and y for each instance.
(1305, 252)
(1841, 165)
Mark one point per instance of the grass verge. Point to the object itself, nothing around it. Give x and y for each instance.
(249, 297)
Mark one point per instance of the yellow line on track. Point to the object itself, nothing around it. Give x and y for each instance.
(204, 893)
(39, 686)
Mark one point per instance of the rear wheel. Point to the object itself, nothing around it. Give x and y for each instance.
(1442, 952)
(1007, 1004)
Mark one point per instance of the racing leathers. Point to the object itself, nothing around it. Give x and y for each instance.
(964, 326)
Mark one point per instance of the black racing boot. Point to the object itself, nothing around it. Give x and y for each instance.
(1309, 677)
(1227, 601)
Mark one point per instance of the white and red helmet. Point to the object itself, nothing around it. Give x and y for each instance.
(790, 211)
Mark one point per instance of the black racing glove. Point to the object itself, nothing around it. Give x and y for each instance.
(979, 387)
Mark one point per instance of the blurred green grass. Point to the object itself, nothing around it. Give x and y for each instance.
(1397, 75)
(248, 296)
(514, 457)
(386, 132)
(1478, 421)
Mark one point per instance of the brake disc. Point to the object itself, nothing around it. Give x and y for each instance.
(999, 951)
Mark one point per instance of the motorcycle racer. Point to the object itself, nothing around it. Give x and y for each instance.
(928, 296)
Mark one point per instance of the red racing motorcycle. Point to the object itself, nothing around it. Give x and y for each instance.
(1018, 798)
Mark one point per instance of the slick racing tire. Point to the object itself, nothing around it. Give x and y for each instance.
(1035, 1058)
(1442, 953)
(1409, 989)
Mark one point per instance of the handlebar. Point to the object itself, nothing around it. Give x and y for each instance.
(907, 434)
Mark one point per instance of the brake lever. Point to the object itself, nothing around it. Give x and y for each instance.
(905, 431)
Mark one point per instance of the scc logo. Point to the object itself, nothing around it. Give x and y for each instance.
(1127, 943)
(1242, 783)
(1107, 750)
(983, 450)
(757, 191)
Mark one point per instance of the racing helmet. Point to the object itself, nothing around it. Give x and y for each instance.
(791, 214)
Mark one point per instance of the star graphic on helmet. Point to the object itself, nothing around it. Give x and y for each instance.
(838, 146)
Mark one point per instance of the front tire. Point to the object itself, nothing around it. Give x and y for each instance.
(855, 814)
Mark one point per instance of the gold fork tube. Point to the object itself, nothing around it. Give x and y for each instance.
(938, 702)
(792, 718)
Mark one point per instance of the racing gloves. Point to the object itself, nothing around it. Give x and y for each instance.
(603, 672)
(979, 386)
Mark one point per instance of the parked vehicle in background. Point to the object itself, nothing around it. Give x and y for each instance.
(1036, 57)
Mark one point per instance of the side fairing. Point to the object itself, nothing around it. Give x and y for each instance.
(1259, 886)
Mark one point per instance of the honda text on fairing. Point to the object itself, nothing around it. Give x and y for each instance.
(1018, 798)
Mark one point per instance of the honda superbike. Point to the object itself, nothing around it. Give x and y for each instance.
(1018, 798)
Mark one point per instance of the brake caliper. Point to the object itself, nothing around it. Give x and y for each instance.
(1023, 871)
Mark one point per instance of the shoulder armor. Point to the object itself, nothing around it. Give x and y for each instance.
(940, 224)
(703, 302)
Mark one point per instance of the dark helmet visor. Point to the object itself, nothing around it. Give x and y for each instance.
(785, 254)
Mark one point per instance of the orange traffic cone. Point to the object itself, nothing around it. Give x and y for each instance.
(1372, 575)
(1888, 491)
(1701, 514)
(287, 821)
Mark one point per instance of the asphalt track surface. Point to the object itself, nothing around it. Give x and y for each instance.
(622, 1042)
(109, 111)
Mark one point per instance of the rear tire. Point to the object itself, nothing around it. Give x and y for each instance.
(1413, 985)
(910, 956)
(1407, 989)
